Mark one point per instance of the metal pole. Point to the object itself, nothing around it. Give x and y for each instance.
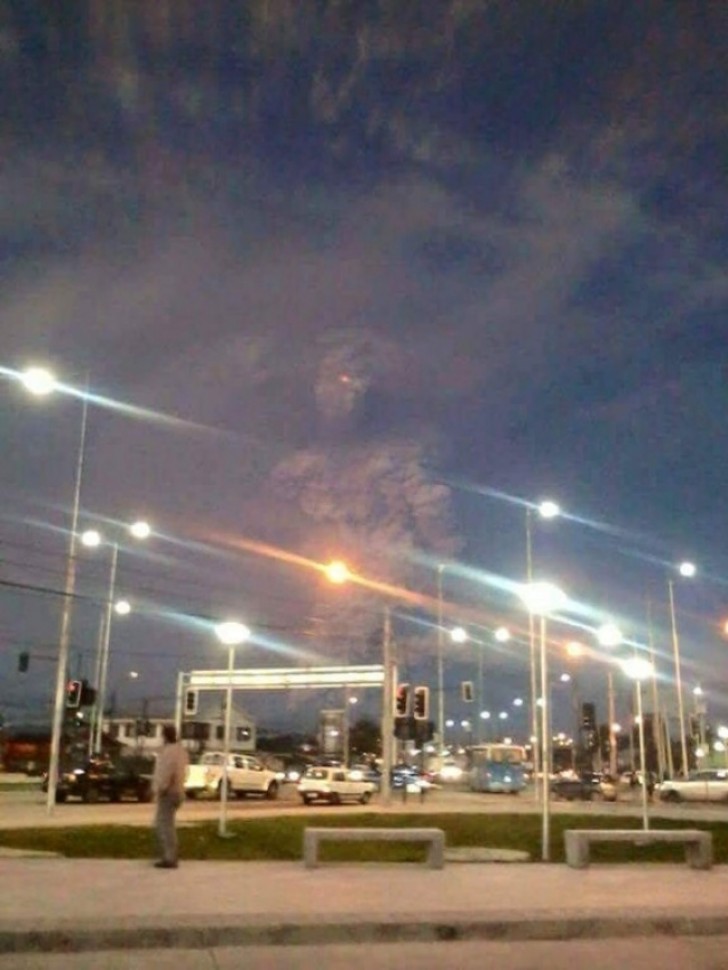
(545, 741)
(532, 660)
(612, 720)
(96, 681)
(656, 730)
(387, 725)
(678, 680)
(178, 703)
(222, 827)
(643, 765)
(101, 695)
(440, 665)
(59, 705)
(479, 648)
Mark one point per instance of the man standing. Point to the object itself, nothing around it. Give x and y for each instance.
(169, 790)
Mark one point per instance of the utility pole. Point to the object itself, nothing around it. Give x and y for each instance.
(612, 721)
(387, 721)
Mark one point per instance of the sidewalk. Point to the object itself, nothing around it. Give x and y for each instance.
(55, 904)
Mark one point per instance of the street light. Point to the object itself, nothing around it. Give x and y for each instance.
(542, 599)
(231, 633)
(609, 635)
(688, 571)
(639, 669)
(42, 382)
(546, 509)
(92, 539)
(39, 381)
(337, 572)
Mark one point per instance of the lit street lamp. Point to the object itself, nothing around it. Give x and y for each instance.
(41, 382)
(687, 570)
(541, 600)
(231, 634)
(92, 539)
(639, 669)
(546, 510)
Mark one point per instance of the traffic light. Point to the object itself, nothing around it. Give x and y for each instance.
(191, 702)
(23, 661)
(467, 692)
(421, 703)
(88, 694)
(402, 701)
(73, 693)
(588, 717)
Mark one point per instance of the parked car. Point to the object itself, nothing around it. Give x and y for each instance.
(334, 785)
(101, 778)
(246, 776)
(407, 776)
(585, 787)
(706, 785)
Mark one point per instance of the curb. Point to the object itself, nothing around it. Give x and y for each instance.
(184, 934)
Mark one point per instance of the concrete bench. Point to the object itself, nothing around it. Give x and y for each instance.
(435, 838)
(698, 844)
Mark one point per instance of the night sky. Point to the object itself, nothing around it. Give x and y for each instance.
(378, 272)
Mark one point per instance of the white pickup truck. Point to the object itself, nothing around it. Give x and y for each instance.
(246, 776)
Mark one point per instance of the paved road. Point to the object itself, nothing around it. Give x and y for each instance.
(646, 953)
(23, 809)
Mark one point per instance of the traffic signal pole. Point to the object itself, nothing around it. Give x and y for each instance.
(387, 723)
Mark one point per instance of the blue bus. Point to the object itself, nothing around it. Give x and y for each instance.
(497, 767)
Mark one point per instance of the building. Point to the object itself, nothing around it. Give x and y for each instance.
(201, 732)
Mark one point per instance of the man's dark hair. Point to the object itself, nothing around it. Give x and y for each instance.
(169, 733)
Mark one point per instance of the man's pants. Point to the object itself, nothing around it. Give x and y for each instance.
(164, 826)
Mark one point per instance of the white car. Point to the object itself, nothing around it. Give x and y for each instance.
(246, 776)
(334, 785)
(706, 785)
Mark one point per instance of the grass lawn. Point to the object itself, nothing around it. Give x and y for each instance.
(281, 838)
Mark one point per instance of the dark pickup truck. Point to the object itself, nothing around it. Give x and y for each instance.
(585, 787)
(101, 778)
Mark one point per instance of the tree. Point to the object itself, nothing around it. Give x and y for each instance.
(365, 737)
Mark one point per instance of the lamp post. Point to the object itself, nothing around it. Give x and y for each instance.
(639, 669)
(440, 664)
(231, 634)
(609, 635)
(41, 382)
(687, 570)
(542, 599)
(546, 510)
(91, 538)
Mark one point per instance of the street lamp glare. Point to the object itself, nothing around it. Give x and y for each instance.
(687, 569)
(518, 702)
(140, 529)
(502, 634)
(458, 635)
(485, 715)
(337, 572)
(698, 690)
(38, 380)
(542, 598)
(231, 633)
(565, 678)
(637, 668)
(609, 635)
(549, 509)
(122, 607)
(723, 732)
(575, 649)
(91, 538)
